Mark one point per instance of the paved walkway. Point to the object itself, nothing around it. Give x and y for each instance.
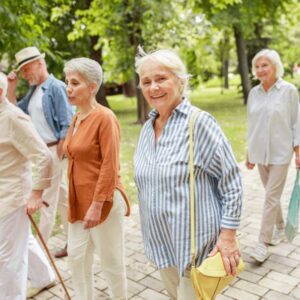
(278, 278)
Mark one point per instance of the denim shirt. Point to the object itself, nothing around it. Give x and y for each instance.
(58, 112)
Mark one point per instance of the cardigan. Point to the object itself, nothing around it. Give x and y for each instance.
(93, 170)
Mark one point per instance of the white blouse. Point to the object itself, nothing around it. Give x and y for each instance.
(273, 123)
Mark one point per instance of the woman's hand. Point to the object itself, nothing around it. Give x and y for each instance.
(34, 202)
(93, 215)
(249, 165)
(227, 246)
(297, 162)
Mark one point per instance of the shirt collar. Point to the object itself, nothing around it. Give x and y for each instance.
(278, 84)
(45, 85)
(182, 107)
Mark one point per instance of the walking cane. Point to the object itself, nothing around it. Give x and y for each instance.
(48, 253)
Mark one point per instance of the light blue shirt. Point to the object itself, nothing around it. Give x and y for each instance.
(162, 179)
(57, 110)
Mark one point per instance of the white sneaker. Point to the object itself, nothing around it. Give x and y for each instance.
(260, 253)
(278, 236)
(32, 291)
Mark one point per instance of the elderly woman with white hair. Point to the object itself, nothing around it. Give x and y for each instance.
(162, 178)
(97, 201)
(273, 136)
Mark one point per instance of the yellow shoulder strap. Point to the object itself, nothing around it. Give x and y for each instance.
(191, 163)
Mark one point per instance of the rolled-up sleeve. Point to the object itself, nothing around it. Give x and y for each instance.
(109, 140)
(229, 185)
(30, 145)
(221, 164)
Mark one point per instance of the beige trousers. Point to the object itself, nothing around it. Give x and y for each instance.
(273, 178)
(177, 288)
(56, 196)
(107, 241)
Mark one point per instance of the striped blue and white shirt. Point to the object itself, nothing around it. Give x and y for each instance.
(162, 179)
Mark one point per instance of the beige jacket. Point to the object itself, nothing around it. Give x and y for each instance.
(19, 145)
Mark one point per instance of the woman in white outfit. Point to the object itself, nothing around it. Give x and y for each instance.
(19, 145)
(273, 137)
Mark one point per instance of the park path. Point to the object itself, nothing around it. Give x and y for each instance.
(278, 278)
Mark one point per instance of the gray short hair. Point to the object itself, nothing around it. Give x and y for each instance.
(88, 68)
(3, 84)
(168, 59)
(273, 56)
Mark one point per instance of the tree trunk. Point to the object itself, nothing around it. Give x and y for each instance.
(225, 73)
(242, 59)
(129, 88)
(225, 60)
(97, 55)
(142, 104)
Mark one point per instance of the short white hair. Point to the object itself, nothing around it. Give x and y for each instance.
(273, 56)
(3, 84)
(88, 68)
(168, 59)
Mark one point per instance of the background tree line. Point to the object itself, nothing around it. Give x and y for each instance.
(214, 37)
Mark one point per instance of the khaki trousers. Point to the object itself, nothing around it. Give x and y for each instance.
(107, 241)
(56, 196)
(177, 288)
(273, 178)
(20, 257)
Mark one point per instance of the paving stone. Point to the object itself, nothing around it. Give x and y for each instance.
(152, 283)
(240, 294)
(43, 296)
(276, 285)
(295, 272)
(251, 287)
(223, 297)
(277, 267)
(293, 281)
(284, 260)
(151, 294)
(135, 287)
(272, 295)
(134, 274)
(296, 293)
(250, 276)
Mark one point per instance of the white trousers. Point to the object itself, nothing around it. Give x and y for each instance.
(56, 196)
(177, 288)
(107, 241)
(273, 178)
(17, 248)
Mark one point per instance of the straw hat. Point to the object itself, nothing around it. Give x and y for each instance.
(27, 55)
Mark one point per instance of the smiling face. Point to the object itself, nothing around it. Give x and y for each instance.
(80, 92)
(265, 70)
(161, 88)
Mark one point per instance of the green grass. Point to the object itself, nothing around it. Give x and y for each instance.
(227, 108)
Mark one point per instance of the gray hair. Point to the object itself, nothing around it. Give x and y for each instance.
(3, 84)
(167, 59)
(88, 68)
(273, 56)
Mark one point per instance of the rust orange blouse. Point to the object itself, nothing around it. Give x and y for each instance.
(93, 171)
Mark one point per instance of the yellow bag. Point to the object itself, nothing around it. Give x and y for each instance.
(210, 278)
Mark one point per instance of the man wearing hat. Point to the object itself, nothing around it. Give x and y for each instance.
(19, 145)
(47, 104)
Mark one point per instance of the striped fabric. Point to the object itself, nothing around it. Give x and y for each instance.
(162, 179)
